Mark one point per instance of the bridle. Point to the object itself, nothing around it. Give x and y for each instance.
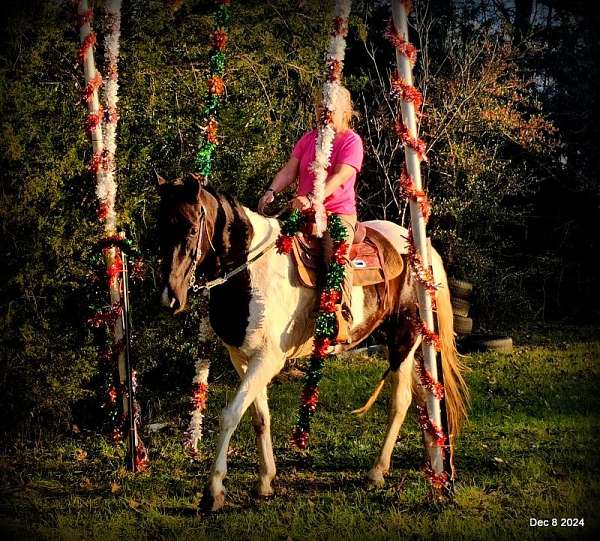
(229, 274)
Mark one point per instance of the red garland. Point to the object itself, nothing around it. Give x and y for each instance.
(93, 120)
(427, 425)
(216, 86)
(401, 45)
(219, 39)
(142, 461)
(423, 275)
(322, 346)
(92, 86)
(418, 145)
(427, 381)
(334, 70)
(437, 480)
(340, 252)
(329, 300)
(200, 396)
(115, 269)
(300, 438)
(95, 162)
(409, 190)
(89, 41)
(340, 27)
(107, 316)
(211, 131)
(401, 89)
(309, 398)
(85, 16)
(283, 244)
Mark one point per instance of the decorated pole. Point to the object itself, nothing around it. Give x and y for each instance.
(326, 131)
(431, 420)
(204, 163)
(103, 167)
(331, 295)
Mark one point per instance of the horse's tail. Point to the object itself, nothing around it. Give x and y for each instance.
(456, 391)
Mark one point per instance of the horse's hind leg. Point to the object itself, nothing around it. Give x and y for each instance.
(402, 344)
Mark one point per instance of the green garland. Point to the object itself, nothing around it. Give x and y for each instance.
(325, 321)
(216, 88)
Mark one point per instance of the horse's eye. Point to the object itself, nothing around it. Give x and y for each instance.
(193, 231)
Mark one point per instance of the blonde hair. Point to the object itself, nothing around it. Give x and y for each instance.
(342, 121)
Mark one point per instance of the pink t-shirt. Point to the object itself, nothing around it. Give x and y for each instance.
(348, 149)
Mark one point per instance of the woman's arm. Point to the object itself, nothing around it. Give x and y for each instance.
(285, 176)
(341, 174)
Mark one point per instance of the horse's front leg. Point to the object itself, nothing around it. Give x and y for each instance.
(261, 421)
(261, 370)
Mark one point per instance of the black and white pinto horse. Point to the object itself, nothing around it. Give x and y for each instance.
(264, 316)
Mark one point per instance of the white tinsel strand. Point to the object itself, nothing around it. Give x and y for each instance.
(107, 189)
(326, 133)
(194, 431)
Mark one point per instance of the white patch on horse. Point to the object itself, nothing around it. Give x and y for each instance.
(358, 307)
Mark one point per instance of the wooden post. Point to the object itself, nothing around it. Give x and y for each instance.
(409, 116)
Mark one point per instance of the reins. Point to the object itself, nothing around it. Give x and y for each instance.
(229, 274)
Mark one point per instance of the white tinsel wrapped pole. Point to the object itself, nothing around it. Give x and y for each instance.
(326, 131)
(106, 190)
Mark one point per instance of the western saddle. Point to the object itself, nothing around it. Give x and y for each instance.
(375, 260)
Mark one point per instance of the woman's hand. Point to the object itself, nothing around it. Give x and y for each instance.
(265, 200)
(301, 202)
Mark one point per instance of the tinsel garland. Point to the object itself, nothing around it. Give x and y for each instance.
(410, 95)
(409, 191)
(204, 162)
(415, 143)
(326, 131)
(103, 133)
(216, 88)
(421, 273)
(402, 90)
(427, 380)
(398, 42)
(428, 426)
(325, 324)
(106, 188)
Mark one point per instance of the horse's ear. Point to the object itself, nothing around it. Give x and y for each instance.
(194, 184)
(161, 181)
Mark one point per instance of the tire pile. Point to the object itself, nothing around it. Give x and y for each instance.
(460, 294)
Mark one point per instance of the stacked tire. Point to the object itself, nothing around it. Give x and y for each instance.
(460, 295)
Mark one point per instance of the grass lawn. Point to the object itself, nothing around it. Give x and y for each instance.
(530, 450)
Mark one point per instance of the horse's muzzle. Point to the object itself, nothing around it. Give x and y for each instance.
(169, 300)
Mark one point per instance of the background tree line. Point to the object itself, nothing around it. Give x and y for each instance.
(511, 118)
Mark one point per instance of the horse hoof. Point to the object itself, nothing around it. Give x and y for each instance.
(263, 492)
(210, 503)
(375, 479)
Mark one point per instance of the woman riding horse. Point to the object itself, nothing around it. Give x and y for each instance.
(265, 315)
(340, 197)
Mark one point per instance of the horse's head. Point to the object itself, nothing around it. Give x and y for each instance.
(186, 226)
